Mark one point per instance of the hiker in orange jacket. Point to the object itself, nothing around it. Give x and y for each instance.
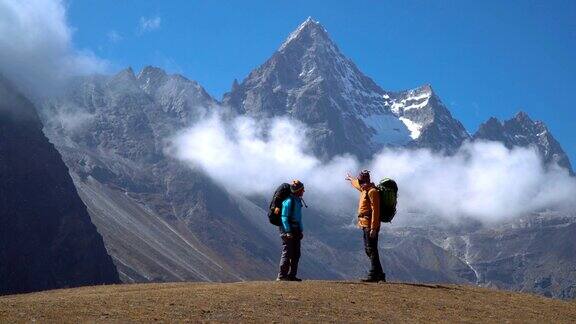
(369, 221)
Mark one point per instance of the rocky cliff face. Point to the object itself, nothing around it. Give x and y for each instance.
(521, 131)
(47, 240)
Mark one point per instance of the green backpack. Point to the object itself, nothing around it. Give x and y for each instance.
(388, 198)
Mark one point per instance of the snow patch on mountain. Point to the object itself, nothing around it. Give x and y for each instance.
(414, 128)
(388, 130)
(412, 99)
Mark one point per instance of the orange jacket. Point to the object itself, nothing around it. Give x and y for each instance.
(368, 206)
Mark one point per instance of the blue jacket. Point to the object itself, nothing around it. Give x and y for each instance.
(292, 221)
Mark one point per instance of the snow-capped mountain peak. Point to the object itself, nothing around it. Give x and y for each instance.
(311, 52)
(309, 79)
(310, 29)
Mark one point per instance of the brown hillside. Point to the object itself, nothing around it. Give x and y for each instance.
(271, 301)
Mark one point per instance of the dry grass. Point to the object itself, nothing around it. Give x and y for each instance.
(311, 301)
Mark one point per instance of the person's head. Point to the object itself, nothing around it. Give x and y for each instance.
(297, 188)
(364, 178)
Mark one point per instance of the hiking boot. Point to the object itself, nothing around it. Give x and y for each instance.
(370, 279)
(382, 277)
(294, 279)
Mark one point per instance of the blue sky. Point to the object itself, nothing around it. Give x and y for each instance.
(484, 58)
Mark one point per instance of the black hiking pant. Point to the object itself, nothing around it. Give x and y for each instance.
(371, 248)
(290, 255)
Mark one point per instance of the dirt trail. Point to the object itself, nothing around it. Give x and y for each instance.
(310, 301)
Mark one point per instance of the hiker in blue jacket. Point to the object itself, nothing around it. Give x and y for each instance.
(291, 232)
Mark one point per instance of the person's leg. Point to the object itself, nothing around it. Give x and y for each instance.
(366, 234)
(367, 249)
(295, 257)
(375, 258)
(371, 249)
(285, 257)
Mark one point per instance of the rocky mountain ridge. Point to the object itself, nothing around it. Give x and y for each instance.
(522, 131)
(310, 80)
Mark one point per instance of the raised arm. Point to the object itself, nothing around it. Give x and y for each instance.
(353, 181)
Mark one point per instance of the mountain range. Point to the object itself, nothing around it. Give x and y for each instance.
(164, 221)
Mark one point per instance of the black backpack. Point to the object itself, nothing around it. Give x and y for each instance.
(388, 190)
(281, 194)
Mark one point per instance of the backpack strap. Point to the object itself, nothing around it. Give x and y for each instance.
(368, 197)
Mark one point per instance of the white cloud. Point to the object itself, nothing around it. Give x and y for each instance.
(72, 120)
(36, 51)
(484, 181)
(149, 24)
(114, 36)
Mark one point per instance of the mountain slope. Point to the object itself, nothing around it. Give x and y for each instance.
(46, 238)
(161, 219)
(133, 190)
(531, 255)
(308, 301)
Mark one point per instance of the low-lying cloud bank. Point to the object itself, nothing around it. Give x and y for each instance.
(483, 181)
(36, 51)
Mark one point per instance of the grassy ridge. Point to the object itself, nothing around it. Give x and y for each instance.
(286, 301)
